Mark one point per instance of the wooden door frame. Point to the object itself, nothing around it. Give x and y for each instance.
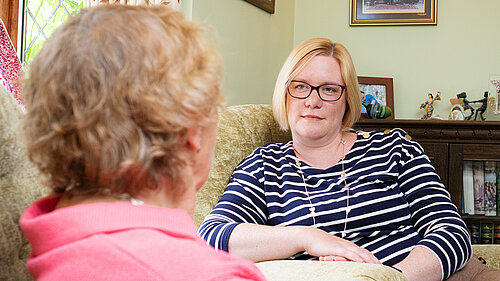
(9, 13)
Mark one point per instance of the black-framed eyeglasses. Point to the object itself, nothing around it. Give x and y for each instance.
(326, 92)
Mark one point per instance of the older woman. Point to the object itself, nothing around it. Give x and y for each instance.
(121, 117)
(335, 193)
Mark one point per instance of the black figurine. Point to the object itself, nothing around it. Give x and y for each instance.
(467, 106)
(482, 108)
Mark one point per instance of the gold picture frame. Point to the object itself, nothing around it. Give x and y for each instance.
(393, 12)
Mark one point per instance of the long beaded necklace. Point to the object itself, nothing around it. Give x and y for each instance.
(343, 176)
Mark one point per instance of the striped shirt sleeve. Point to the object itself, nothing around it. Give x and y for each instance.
(243, 201)
(434, 216)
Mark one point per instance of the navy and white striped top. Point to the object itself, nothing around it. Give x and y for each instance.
(397, 200)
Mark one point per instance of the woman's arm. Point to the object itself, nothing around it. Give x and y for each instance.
(435, 218)
(260, 243)
(420, 264)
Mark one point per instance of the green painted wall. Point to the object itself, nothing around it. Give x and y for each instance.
(253, 44)
(458, 54)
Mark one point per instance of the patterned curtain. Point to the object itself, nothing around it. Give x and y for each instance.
(173, 3)
(10, 65)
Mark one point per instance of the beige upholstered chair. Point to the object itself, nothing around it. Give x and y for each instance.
(19, 187)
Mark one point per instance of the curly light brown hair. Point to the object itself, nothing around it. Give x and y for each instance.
(111, 94)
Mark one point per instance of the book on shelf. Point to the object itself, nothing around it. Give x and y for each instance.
(484, 232)
(478, 179)
(468, 189)
(490, 189)
(498, 188)
(496, 234)
(475, 231)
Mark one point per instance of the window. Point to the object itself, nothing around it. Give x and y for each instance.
(39, 19)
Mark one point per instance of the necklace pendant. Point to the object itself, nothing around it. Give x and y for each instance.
(312, 209)
(343, 234)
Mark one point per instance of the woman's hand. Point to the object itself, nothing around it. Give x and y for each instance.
(263, 243)
(332, 248)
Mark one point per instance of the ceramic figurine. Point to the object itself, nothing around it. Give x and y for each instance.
(457, 112)
(468, 111)
(429, 105)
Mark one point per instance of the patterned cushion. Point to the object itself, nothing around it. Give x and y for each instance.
(490, 253)
(328, 271)
(19, 186)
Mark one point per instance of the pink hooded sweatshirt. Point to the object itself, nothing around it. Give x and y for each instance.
(120, 241)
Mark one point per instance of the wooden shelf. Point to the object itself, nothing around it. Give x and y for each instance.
(448, 144)
(468, 218)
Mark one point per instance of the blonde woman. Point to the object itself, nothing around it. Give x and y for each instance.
(333, 193)
(121, 118)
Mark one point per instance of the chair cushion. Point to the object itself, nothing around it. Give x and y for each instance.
(19, 187)
(490, 253)
(328, 271)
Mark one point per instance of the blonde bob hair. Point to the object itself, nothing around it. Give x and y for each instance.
(110, 97)
(298, 58)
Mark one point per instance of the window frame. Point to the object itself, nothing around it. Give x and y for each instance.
(9, 12)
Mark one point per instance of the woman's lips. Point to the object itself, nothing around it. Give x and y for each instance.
(311, 117)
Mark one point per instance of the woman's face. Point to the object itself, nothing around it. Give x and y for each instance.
(313, 118)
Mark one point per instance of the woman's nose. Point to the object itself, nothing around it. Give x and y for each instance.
(313, 100)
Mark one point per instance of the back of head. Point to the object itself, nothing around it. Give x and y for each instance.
(111, 94)
(298, 58)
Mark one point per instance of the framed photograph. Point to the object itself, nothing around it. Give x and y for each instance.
(393, 12)
(494, 91)
(266, 5)
(376, 91)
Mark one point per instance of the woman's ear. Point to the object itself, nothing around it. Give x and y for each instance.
(193, 142)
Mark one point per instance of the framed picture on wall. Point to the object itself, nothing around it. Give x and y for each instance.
(266, 5)
(376, 92)
(393, 12)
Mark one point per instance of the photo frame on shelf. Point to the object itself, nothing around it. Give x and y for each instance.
(494, 91)
(377, 90)
(393, 12)
(266, 5)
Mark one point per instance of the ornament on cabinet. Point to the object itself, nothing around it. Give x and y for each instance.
(429, 106)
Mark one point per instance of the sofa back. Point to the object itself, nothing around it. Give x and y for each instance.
(19, 187)
(241, 129)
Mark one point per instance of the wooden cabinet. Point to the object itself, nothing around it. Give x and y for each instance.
(448, 144)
